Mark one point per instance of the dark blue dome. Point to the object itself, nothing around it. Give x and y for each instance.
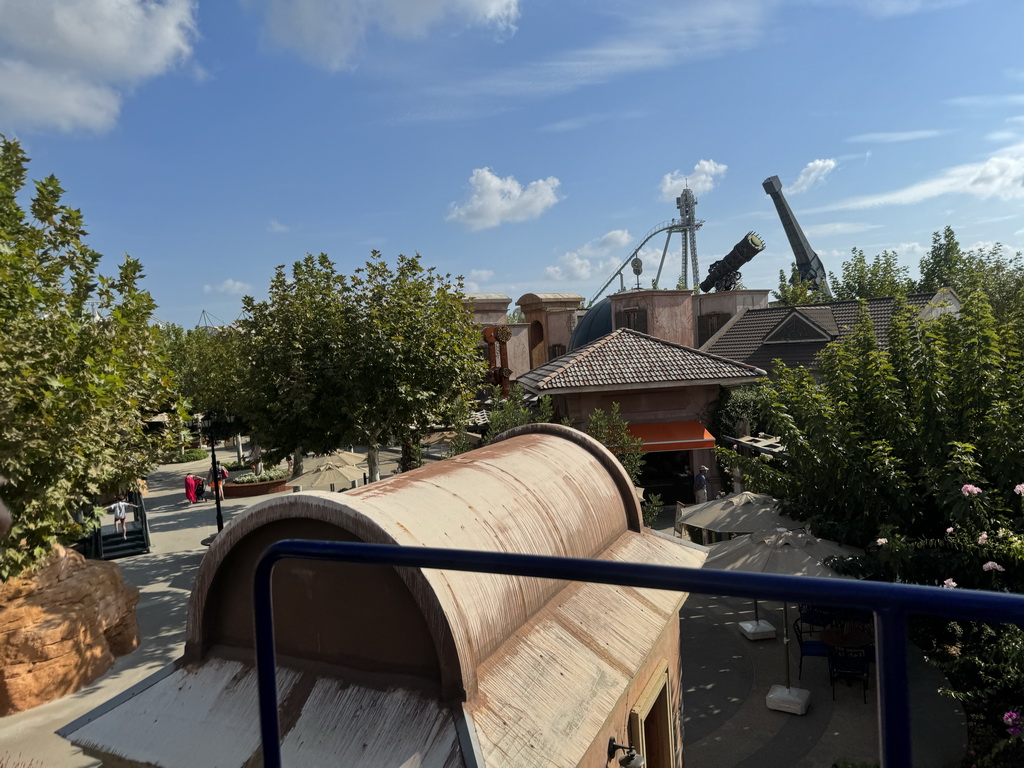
(595, 324)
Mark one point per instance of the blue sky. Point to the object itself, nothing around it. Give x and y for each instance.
(528, 146)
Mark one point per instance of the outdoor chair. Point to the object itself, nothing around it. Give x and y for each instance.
(816, 617)
(848, 664)
(809, 646)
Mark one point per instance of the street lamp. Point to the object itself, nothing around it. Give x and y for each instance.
(214, 474)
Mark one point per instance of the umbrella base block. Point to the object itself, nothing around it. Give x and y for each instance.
(792, 700)
(757, 630)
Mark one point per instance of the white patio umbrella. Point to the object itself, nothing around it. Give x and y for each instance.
(787, 553)
(744, 512)
(328, 473)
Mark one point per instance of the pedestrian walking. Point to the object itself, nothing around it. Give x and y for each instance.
(190, 487)
(120, 510)
(700, 485)
(217, 477)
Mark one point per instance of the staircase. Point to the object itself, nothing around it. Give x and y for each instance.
(113, 544)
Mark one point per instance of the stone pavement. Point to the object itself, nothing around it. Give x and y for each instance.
(725, 677)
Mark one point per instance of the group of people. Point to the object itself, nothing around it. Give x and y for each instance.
(195, 485)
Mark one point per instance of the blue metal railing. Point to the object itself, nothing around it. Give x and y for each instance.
(891, 604)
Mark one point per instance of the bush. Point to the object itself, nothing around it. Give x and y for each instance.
(190, 454)
(234, 466)
(262, 477)
(651, 508)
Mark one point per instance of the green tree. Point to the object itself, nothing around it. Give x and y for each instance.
(945, 265)
(80, 370)
(912, 452)
(366, 358)
(515, 410)
(796, 291)
(612, 431)
(880, 278)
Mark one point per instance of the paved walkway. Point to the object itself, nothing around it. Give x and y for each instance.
(725, 677)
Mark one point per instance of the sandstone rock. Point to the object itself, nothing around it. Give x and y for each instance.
(61, 627)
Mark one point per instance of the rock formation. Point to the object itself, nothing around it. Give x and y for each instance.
(61, 627)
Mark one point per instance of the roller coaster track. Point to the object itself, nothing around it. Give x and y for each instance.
(673, 225)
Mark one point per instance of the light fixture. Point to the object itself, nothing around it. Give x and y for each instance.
(629, 760)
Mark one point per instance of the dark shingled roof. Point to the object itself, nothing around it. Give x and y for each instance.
(746, 339)
(626, 357)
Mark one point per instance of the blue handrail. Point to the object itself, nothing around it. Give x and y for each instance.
(891, 604)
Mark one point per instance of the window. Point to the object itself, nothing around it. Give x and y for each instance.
(651, 731)
(634, 318)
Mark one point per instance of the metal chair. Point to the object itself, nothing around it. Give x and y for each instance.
(808, 646)
(848, 664)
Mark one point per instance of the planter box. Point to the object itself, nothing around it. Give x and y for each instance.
(244, 490)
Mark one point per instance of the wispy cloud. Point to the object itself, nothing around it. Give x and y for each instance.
(277, 227)
(588, 121)
(814, 173)
(603, 254)
(481, 275)
(701, 180)
(229, 286)
(893, 137)
(649, 39)
(330, 34)
(1002, 137)
(1000, 176)
(67, 65)
(494, 200)
(992, 100)
(839, 228)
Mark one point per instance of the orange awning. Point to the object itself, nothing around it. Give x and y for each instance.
(673, 436)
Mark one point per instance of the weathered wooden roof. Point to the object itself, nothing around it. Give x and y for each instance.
(515, 665)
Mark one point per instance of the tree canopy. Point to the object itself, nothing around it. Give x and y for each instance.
(80, 370)
(912, 452)
(334, 359)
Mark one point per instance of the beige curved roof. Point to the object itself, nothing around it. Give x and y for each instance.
(436, 668)
(541, 489)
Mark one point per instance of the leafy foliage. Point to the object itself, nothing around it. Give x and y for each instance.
(80, 369)
(651, 508)
(612, 431)
(515, 410)
(912, 451)
(880, 278)
(334, 360)
(190, 454)
(796, 291)
(261, 477)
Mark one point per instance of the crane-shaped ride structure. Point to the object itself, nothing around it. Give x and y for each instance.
(686, 225)
(808, 265)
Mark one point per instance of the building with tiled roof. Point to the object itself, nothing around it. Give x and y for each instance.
(795, 335)
(663, 390)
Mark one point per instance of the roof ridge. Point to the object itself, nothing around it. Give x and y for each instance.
(693, 349)
(578, 354)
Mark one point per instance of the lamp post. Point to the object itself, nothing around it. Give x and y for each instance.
(214, 474)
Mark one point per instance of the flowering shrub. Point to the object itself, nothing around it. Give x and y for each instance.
(1014, 723)
(992, 566)
(949, 584)
(970, 490)
(262, 477)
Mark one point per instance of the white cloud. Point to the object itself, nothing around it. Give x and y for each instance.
(481, 275)
(814, 173)
(839, 228)
(604, 253)
(1002, 137)
(648, 40)
(885, 8)
(229, 286)
(277, 227)
(1001, 176)
(1002, 100)
(700, 181)
(328, 33)
(494, 200)
(893, 137)
(67, 65)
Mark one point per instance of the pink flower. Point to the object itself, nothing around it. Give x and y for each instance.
(950, 529)
(983, 539)
(970, 490)
(1019, 489)
(992, 566)
(949, 584)
(881, 542)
